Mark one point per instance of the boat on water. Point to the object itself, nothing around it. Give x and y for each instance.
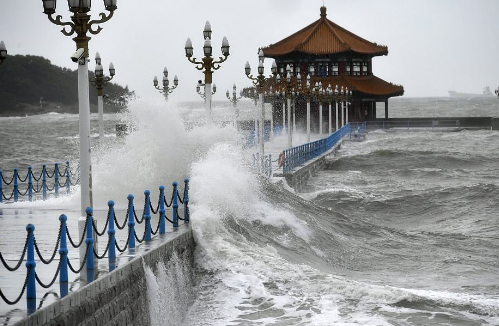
(486, 93)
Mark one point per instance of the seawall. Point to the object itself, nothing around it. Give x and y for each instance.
(119, 297)
(461, 122)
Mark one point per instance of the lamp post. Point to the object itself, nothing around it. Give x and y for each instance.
(287, 87)
(320, 96)
(234, 100)
(259, 81)
(329, 98)
(81, 25)
(308, 92)
(3, 52)
(203, 94)
(208, 64)
(277, 97)
(100, 82)
(166, 90)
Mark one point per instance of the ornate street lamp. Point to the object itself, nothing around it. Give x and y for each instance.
(260, 82)
(80, 25)
(3, 52)
(100, 81)
(207, 64)
(166, 90)
(203, 94)
(234, 100)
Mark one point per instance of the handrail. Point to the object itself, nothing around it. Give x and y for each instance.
(31, 249)
(298, 155)
(36, 183)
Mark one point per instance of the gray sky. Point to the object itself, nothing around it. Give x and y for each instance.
(434, 45)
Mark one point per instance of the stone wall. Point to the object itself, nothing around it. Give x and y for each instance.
(119, 297)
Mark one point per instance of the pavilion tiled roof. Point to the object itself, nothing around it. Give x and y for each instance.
(369, 85)
(324, 37)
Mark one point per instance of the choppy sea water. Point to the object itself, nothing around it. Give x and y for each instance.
(401, 229)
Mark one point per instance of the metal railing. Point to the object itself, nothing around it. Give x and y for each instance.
(87, 239)
(36, 183)
(298, 155)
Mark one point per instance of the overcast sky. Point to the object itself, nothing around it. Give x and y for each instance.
(434, 45)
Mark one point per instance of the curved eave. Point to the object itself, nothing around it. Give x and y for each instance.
(300, 52)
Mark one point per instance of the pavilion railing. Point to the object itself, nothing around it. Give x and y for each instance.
(296, 156)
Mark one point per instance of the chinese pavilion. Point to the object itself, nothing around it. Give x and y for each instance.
(338, 57)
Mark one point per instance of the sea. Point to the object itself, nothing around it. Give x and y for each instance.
(399, 229)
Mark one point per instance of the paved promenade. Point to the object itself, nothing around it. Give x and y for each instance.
(13, 223)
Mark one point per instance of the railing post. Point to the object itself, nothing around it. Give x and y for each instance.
(44, 181)
(111, 233)
(147, 215)
(270, 167)
(131, 223)
(16, 186)
(63, 254)
(1, 187)
(175, 205)
(186, 200)
(30, 263)
(56, 182)
(162, 226)
(407, 125)
(284, 162)
(63, 250)
(30, 183)
(68, 179)
(90, 239)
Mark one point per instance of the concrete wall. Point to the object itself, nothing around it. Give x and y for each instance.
(495, 123)
(119, 297)
(464, 122)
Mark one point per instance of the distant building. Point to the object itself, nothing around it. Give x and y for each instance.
(339, 58)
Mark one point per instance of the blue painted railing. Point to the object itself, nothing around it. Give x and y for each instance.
(36, 185)
(298, 155)
(87, 239)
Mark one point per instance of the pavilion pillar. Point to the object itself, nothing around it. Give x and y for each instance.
(374, 110)
(386, 109)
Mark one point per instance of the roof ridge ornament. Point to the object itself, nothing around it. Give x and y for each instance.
(323, 12)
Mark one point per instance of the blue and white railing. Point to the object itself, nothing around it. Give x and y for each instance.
(298, 155)
(87, 239)
(34, 185)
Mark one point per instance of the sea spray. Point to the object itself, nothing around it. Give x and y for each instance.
(169, 290)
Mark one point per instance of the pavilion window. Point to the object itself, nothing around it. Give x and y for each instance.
(310, 67)
(365, 69)
(322, 69)
(335, 69)
(356, 68)
(348, 69)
